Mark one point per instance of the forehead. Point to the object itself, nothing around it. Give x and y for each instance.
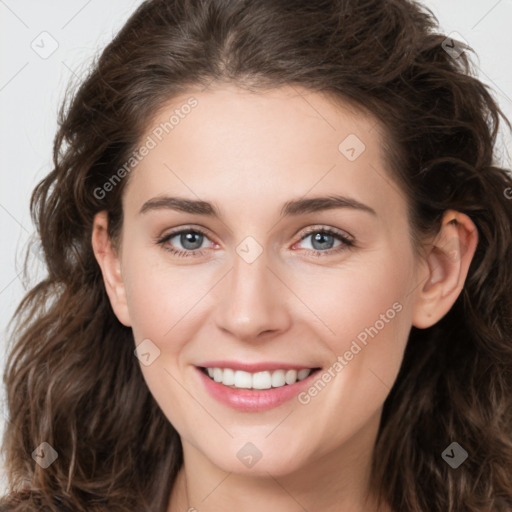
(236, 146)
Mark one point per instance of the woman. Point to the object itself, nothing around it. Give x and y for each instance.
(260, 367)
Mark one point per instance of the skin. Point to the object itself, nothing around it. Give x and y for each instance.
(248, 154)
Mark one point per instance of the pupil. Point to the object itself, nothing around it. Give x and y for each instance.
(188, 238)
(320, 237)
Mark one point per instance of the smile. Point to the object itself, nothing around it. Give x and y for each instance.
(254, 391)
(259, 380)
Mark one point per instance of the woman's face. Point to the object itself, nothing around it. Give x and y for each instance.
(261, 285)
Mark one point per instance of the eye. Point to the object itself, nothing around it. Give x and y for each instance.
(323, 240)
(190, 239)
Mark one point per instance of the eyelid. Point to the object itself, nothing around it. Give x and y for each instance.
(306, 231)
(322, 227)
(187, 228)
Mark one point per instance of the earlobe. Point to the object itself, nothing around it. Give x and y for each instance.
(447, 265)
(110, 264)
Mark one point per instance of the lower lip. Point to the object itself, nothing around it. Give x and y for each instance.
(250, 400)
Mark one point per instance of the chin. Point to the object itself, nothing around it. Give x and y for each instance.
(247, 459)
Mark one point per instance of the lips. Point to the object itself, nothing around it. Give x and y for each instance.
(253, 400)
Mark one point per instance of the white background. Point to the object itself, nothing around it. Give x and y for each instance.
(31, 89)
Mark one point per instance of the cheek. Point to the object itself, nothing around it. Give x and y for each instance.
(367, 311)
(160, 295)
(363, 310)
(160, 302)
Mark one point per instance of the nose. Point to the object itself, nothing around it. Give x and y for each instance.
(252, 302)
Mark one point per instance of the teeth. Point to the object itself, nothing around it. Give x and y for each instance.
(302, 374)
(228, 377)
(258, 380)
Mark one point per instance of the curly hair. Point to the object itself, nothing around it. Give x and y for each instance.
(116, 449)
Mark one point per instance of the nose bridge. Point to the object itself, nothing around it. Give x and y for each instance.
(252, 296)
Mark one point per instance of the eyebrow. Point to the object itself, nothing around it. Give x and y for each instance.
(294, 207)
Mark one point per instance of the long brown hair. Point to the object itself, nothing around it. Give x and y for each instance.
(72, 378)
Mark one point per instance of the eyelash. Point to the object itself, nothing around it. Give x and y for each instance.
(347, 243)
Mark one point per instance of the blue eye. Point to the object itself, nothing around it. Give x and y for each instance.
(192, 239)
(324, 238)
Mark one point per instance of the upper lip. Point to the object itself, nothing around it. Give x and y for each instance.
(253, 367)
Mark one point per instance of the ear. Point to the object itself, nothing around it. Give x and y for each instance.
(110, 264)
(446, 264)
